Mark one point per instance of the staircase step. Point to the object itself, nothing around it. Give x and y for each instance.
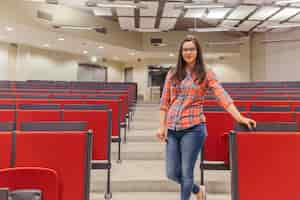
(149, 176)
(154, 195)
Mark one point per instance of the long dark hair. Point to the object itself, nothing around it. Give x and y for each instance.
(199, 68)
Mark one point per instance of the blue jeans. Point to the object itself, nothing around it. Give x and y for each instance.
(182, 151)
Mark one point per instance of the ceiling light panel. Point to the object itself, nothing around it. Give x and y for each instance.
(264, 13)
(170, 11)
(151, 10)
(167, 23)
(229, 23)
(102, 12)
(229, 1)
(127, 23)
(218, 13)
(79, 3)
(285, 14)
(241, 12)
(194, 13)
(296, 4)
(247, 25)
(258, 1)
(124, 12)
(147, 22)
(285, 2)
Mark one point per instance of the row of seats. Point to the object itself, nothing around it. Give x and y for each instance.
(255, 97)
(32, 111)
(247, 104)
(215, 155)
(256, 108)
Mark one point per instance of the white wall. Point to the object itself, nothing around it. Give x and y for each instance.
(229, 69)
(4, 66)
(41, 64)
(276, 61)
(282, 58)
(30, 63)
(115, 71)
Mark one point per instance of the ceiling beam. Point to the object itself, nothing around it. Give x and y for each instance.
(137, 15)
(160, 10)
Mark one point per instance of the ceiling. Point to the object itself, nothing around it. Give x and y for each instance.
(245, 17)
(168, 15)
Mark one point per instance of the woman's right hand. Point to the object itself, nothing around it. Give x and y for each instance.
(161, 134)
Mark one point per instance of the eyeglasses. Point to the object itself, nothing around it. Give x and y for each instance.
(189, 49)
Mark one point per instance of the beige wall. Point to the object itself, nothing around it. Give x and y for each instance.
(258, 58)
(8, 55)
(228, 69)
(277, 60)
(282, 63)
(4, 67)
(29, 63)
(33, 63)
(115, 71)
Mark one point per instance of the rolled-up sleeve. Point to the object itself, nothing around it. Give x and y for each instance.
(221, 95)
(165, 97)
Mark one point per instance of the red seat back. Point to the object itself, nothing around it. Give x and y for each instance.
(5, 149)
(37, 115)
(273, 163)
(43, 179)
(272, 116)
(68, 153)
(217, 124)
(100, 122)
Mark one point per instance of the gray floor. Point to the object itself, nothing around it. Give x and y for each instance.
(141, 174)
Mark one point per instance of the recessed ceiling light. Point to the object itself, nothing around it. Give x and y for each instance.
(94, 59)
(61, 39)
(100, 47)
(46, 45)
(286, 2)
(9, 28)
(132, 53)
(85, 52)
(171, 54)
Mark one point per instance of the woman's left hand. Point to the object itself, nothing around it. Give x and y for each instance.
(250, 123)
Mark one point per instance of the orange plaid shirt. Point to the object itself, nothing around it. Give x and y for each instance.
(184, 102)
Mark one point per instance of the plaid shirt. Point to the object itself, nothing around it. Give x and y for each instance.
(184, 103)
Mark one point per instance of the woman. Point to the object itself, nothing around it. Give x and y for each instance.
(181, 114)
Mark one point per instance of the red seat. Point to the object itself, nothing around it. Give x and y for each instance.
(7, 115)
(298, 120)
(217, 124)
(98, 121)
(273, 162)
(5, 149)
(114, 105)
(37, 115)
(48, 150)
(43, 179)
(272, 116)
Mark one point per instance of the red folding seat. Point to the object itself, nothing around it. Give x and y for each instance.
(47, 149)
(272, 116)
(8, 112)
(98, 118)
(28, 178)
(273, 162)
(38, 112)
